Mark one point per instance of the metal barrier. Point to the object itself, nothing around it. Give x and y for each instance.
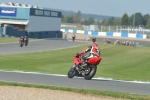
(111, 34)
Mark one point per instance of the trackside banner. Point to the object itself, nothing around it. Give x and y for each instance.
(6, 11)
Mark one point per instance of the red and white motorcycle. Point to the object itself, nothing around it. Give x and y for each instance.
(88, 68)
(21, 42)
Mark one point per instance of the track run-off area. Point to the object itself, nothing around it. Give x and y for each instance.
(133, 87)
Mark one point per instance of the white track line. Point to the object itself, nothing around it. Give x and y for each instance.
(99, 78)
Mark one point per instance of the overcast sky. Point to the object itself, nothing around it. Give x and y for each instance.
(101, 7)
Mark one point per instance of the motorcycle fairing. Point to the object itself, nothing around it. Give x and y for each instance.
(94, 60)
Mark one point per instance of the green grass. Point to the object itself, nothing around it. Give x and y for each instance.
(73, 28)
(118, 62)
(82, 91)
(7, 39)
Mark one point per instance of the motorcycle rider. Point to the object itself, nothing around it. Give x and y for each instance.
(22, 38)
(94, 52)
(73, 37)
(26, 38)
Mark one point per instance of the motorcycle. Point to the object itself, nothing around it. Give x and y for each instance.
(87, 69)
(26, 41)
(21, 42)
(73, 38)
(108, 41)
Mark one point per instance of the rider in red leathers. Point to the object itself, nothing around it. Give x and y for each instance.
(22, 38)
(94, 52)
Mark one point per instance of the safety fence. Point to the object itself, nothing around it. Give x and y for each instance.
(110, 34)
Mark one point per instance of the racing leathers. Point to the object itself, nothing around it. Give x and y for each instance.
(94, 52)
(26, 39)
(22, 38)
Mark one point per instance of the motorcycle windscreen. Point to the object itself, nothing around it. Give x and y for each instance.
(94, 61)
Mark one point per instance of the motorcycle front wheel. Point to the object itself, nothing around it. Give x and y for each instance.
(21, 45)
(71, 73)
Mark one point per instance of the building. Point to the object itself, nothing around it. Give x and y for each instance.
(21, 19)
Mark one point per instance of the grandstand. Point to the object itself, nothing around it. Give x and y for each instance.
(21, 19)
(18, 5)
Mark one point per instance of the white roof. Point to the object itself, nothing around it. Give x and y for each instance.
(14, 21)
(10, 4)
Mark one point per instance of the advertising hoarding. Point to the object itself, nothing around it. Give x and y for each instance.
(7, 11)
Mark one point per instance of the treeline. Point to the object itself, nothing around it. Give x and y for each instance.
(77, 18)
(134, 20)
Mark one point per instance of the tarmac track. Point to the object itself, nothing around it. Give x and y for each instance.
(142, 42)
(37, 46)
(64, 81)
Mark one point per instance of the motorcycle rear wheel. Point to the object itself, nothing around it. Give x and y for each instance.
(92, 72)
(26, 44)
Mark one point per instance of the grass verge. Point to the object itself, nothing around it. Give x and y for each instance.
(83, 91)
(118, 62)
(7, 39)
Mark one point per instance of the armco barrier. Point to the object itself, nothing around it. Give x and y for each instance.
(116, 34)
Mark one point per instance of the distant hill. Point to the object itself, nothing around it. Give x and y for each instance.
(95, 16)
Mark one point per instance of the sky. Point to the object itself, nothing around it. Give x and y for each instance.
(114, 8)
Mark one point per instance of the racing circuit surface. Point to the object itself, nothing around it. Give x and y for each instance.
(37, 46)
(64, 81)
(142, 42)
(57, 80)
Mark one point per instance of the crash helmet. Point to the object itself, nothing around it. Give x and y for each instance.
(94, 39)
(77, 55)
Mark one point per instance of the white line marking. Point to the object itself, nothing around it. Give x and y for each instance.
(99, 78)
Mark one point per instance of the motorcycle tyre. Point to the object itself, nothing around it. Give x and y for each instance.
(73, 73)
(92, 73)
(21, 45)
(26, 44)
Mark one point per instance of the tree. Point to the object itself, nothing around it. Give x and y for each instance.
(98, 21)
(65, 19)
(148, 23)
(131, 20)
(90, 21)
(78, 17)
(62, 17)
(70, 19)
(111, 21)
(145, 19)
(117, 21)
(84, 22)
(104, 22)
(125, 20)
(136, 19)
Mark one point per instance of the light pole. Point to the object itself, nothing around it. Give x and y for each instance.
(133, 19)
